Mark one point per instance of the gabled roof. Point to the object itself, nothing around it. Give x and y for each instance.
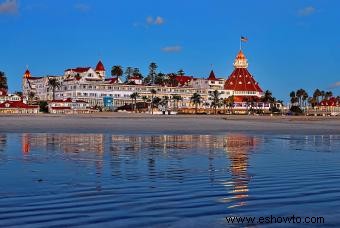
(100, 66)
(17, 104)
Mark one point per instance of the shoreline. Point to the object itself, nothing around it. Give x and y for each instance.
(131, 123)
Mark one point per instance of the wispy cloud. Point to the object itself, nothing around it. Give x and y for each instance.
(155, 21)
(8, 6)
(82, 7)
(335, 85)
(309, 10)
(172, 49)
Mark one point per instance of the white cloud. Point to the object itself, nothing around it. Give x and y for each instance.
(175, 48)
(155, 21)
(159, 20)
(335, 85)
(82, 7)
(9, 6)
(309, 10)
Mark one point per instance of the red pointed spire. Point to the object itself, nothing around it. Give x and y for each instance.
(100, 66)
(212, 76)
(27, 74)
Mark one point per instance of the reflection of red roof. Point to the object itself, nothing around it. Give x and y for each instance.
(17, 104)
(100, 66)
(182, 80)
(242, 80)
(68, 100)
(79, 69)
(330, 102)
(212, 76)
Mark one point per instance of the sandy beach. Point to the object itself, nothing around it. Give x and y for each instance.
(127, 123)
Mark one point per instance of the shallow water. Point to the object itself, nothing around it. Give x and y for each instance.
(101, 180)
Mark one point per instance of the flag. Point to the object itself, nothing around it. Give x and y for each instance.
(244, 39)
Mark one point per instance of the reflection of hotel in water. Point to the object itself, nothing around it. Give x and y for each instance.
(237, 147)
(63, 142)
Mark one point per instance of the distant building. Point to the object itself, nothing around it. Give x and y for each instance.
(69, 106)
(18, 107)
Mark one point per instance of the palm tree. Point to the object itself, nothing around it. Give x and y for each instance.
(317, 94)
(128, 72)
(117, 71)
(153, 92)
(293, 98)
(152, 72)
(177, 98)
(322, 95)
(3, 81)
(31, 96)
(196, 99)
(215, 97)
(172, 79)
(145, 100)
(328, 95)
(230, 102)
(134, 97)
(181, 72)
(53, 83)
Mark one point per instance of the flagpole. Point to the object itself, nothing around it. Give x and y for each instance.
(240, 44)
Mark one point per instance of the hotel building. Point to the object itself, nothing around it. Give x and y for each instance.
(92, 86)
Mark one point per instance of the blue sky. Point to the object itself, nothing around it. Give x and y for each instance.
(292, 43)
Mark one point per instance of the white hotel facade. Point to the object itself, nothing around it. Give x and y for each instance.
(91, 85)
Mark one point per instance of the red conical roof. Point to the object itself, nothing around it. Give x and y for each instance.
(242, 80)
(212, 76)
(100, 66)
(27, 74)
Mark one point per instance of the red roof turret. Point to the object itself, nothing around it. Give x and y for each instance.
(27, 74)
(212, 76)
(100, 66)
(240, 79)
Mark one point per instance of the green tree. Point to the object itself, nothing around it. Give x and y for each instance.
(43, 106)
(117, 71)
(317, 94)
(31, 96)
(215, 100)
(134, 97)
(196, 99)
(176, 99)
(53, 83)
(181, 72)
(3, 81)
(128, 72)
(152, 72)
(172, 81)
(153, 93)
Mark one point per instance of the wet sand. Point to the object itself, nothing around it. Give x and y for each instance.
(128, 123)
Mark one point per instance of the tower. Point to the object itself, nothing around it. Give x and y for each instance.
(100, 69)
(241, 81)
(27, 74)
